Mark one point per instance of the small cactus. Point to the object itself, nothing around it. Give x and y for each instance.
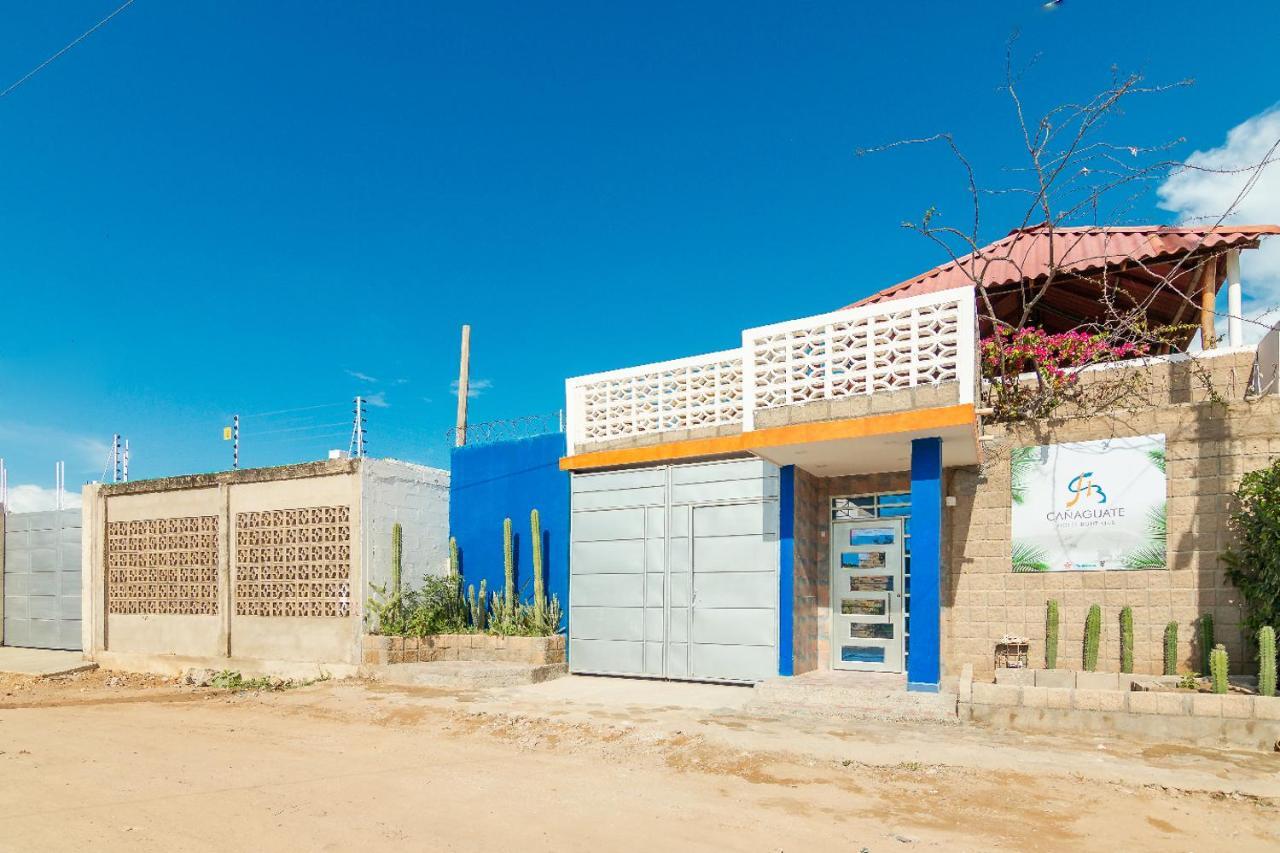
(1218, 665)
(1126, 639)
(1171, 648)
(1267, 662)
(1206, 640)
(1051, 634)
(539, 585)
(1092, 636)
(508, 571)
(453, 557)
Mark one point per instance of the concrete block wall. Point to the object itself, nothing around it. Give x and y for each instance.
(1209, 447)
(416, 496)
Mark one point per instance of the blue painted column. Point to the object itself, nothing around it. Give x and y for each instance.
(786, 568)
(924, 656)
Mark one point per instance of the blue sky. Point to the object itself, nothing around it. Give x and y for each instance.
(211, 208)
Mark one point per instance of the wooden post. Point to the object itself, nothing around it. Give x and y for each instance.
(460, 434)
(1208, 292)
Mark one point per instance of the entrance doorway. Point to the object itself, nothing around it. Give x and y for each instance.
(866, 595)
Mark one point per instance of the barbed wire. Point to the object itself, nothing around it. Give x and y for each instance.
(508, 429)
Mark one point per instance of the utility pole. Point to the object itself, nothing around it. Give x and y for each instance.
(356, 448)
(59, 483)
(464, 368)
(235, 442)
(115, 458)
(125, 465)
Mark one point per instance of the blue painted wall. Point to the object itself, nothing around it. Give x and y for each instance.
(786, 568)
(490, 482)
(923, 664)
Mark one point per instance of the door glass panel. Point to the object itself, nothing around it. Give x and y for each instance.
(862, 654)
(862, 559)
(871, 536)
(873, 583)
(864, 631)
(864, 606)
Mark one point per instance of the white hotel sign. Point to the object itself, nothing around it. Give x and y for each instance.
(1089, 505)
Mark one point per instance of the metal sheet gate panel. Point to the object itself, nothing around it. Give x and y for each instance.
(674, 572)
(42, 580)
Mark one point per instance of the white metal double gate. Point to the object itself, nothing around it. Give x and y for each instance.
(42, 579)
(674, 572)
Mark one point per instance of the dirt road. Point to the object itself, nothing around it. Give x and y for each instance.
(96, 762)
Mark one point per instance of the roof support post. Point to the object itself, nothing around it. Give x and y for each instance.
(1208, 274)
(1235, 320)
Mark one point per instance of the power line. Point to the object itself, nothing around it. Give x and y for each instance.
(34, 71)
(297, 409)
(299, 428)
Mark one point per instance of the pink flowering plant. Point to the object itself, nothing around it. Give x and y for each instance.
(1029, 373)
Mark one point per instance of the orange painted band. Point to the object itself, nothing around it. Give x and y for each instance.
(809, 433)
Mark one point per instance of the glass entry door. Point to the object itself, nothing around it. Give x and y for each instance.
(866, 595)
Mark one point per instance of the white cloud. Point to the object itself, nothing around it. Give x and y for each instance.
(33, 498)
(1201, 197)
(475, 387)
(363, 377)
(378, 401)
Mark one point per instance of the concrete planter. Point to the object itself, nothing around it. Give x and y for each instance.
(380, 651)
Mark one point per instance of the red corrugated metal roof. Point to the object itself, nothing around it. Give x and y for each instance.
(1029, 253)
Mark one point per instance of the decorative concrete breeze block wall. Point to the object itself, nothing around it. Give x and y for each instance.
(256, 569)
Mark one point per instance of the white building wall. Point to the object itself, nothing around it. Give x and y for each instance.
(418, 498)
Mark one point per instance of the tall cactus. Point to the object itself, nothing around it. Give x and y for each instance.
(1206, 640)
(1171, 648)
(1126, 639)
(1051, 634)
(479, 607)
(453, 558)
(539, 585)
(1218, 665)
(508, 572)
(1092, 636)
(397, 556)
(1267, 662)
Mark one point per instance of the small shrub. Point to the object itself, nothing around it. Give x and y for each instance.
(1253, 564)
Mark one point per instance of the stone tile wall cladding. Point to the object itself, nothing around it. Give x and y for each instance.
(1210, 446)
(378, 650)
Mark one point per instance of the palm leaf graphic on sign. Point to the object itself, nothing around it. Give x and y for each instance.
(1151, 553)
(1021, 463)
(1029, 558)
(1157, 459)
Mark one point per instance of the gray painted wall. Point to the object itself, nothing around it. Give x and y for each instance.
(418, 498)
(42, 579)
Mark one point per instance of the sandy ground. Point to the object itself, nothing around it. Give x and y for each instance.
(108, 762)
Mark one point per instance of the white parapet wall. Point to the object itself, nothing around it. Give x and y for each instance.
(928, 340)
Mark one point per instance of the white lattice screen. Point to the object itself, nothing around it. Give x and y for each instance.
(859, 352)
(684, 394)
(904, 343)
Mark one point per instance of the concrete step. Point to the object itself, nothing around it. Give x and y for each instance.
(881, 698)
(459, 673)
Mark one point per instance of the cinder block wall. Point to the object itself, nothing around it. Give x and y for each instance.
(1209, 448)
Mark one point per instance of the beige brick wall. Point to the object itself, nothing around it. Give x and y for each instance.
(1209, 447)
